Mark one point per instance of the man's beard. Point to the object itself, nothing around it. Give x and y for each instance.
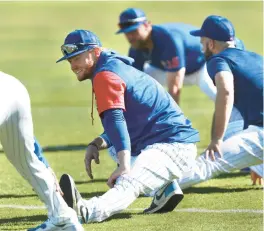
(140, 44)
(86, 75)
(207, 53)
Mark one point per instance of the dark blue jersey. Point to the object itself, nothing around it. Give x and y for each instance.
(150, 113)
(247, 69)
(173, 48)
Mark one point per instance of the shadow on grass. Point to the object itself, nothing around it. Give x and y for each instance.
(39, 219)
(208, 190)
(67, 147)
(119, 216)
(17, 196)
(18, 220)
(232, 175)
(87, 195)
(59, 148)
(100, 180)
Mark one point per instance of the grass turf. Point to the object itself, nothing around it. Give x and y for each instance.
(30, 39)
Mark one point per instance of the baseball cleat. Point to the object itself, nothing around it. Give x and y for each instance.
(166, 198)
(73, 198)
(70, 225)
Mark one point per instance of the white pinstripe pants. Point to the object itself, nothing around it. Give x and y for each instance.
(199, 78)
(241, 150)
(236, 125)
(156, 165)
(16, 136)
(203, 80)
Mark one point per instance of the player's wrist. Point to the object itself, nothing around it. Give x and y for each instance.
(99, 143)
(94, 145)
(124, 158)
(217, 140)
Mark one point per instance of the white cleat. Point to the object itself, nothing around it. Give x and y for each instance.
(166, 198)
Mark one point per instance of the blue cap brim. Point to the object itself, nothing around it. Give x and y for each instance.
(197, 33)
(129, 29)
(70, 55)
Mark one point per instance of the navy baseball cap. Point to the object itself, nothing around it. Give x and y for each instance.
(130, 20)
(216, 28)
(78, 42)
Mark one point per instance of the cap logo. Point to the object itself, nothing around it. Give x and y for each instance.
(140, 19)
(131, 22)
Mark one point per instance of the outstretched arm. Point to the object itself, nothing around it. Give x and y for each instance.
(223, 107)
(116, 129)
(92, 152)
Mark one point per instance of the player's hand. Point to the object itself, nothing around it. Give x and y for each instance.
(213, 148)
(92, 153)
(255, 177)
(118, 172)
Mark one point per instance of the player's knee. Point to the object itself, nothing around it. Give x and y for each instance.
(126, 182)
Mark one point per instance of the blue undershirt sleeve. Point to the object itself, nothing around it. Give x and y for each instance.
(116, 129)
(106, 139)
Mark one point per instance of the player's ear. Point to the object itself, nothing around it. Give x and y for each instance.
(211, 44)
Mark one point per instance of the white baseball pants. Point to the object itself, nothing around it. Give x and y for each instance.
(203, 80)
(241, 150)
(156, 165)
(199, 78)
(16, 136)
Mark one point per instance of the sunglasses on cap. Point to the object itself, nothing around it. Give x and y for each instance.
(131, 22)
(68, 49)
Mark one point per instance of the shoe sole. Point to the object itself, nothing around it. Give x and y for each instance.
(67, 188)
(168, 206)
(171, 204)
(63, 227)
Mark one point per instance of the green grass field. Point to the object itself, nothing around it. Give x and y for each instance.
(30, 39)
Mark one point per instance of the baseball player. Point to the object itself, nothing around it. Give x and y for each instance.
(167, 52)
(16, 136)
(172, 56)
(238, 76)
(141, 122)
